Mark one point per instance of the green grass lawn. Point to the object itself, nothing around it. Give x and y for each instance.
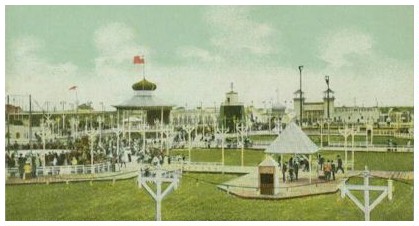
(232, 156)
(377, 140)
(263, 137)
(388, 161)
(196, 199)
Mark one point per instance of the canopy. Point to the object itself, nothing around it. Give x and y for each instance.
(292, 141)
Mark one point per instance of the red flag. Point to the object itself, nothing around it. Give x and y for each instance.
(73, 88)
(138, 60)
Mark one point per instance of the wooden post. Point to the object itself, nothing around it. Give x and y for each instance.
(158, 179)
(390, 189)
(309, 165)
(367, 207)
(366, 195)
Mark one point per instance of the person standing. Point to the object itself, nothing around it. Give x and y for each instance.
(296, 167)
(21, 161)
(284, 171)
(340, 165)
(333, 170)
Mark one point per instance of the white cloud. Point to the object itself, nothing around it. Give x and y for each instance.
(336, 47)
(117, 44)
(192, 52)
(30, 73)
(358, 71)
(234, 31)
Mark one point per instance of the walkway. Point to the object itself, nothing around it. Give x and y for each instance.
(247, 186)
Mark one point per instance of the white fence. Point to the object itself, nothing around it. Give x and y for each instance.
(65, 170)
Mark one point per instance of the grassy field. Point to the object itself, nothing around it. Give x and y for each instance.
(196, 199)
(377, 140)
(388, 161)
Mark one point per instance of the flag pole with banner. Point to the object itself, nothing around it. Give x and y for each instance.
(77, 99)
(140, 60)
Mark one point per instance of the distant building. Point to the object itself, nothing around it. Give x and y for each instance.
(315, 112)
(144, 104)
(11, 109)
(231, 111)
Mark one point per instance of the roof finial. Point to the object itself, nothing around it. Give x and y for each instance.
(231, 86)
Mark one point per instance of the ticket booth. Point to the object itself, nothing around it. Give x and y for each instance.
(268, 177)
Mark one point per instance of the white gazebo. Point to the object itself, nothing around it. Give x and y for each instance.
(293, 141)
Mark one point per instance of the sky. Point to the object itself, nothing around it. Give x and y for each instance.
(194, 53)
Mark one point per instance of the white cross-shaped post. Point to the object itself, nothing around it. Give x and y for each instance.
(100, 121)
(158, 177)
(345, 133)
(241, 129)
(189, 128)
(92, 135)
(353, 133)
(168, 131)
(366, 187)
(117, 132)
(223, 131)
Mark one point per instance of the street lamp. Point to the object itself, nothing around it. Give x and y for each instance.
(301, 97)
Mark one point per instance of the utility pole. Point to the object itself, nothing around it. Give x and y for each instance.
(301, 97)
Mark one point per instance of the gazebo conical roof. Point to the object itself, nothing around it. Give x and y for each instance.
(292, 141)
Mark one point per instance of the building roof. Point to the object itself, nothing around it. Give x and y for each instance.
(269, 161)
(143, 99)
(292, 141)
(278, 106)
(144, 85)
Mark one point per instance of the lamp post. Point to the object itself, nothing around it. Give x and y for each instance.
(326, 78)
(300, 68)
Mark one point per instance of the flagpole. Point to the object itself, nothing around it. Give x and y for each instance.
(143, 68)
(77, 101)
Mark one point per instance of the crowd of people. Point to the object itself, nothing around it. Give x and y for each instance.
(326, 168)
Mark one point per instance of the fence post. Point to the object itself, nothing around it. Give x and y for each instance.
(390, 189)
(343, 189)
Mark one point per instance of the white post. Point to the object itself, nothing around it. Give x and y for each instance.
(129, 131)
(366, 195)
(309, 165)
(353, 151)
(346, 152)
(158, 195)
(345, 133)
(321, 134)
(92, 133)
(144, 128)
(390, 189)
(328, 132)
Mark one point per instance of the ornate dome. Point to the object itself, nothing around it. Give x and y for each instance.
(144, 85)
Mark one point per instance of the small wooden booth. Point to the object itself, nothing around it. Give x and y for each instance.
(268, 174)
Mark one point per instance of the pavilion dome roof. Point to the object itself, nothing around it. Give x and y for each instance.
(144, 85)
